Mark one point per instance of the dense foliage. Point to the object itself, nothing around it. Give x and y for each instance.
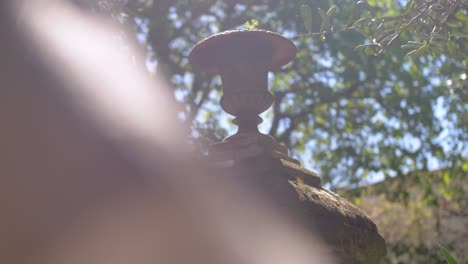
(347, 114)
(413, 230)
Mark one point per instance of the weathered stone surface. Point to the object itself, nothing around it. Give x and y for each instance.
(346, 229)
(249, 145)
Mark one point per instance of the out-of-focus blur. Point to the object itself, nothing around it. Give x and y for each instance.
(93, 166)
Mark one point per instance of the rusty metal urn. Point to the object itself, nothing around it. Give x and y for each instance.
(243, 59)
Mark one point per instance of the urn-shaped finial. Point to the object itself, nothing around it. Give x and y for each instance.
(243, 59)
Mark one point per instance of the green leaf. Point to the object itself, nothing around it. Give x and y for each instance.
(388, 39)
(362, 22)
(331, 12)
(416, 52)
(452, 47)
(362, 4)
(460, 35)
(372, 3)
(252, 24)
(460, 16)
(450, 259)
(370, 49)
(306, 14)
(412, 45)
(454, 24)
(255, 23)
(325, 25)
(322, 13)
(465, 166)
(320, 121)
